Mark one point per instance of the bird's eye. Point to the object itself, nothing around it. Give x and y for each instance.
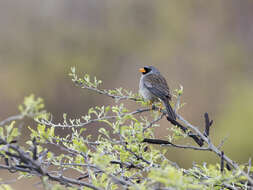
(147, 70)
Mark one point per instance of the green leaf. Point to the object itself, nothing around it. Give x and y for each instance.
(104, 132)
(106, 121)
(1, 132)
(82, 130)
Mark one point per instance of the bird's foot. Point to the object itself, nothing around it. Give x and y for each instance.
(160, 107)
(151, 105)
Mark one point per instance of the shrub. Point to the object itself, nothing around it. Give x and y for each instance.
(122, 156)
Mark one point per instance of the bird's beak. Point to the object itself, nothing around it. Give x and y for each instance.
(142, 70)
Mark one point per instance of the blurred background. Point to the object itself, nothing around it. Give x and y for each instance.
(205, 46)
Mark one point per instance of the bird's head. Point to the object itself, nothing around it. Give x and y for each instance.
(149, 69)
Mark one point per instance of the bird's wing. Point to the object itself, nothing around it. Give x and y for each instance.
(157, 85)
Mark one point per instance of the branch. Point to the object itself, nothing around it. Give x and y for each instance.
(164, 142)
(83, 124)
(11, 118)
(208, 124)
(222, 162)
(153, 122)
(214, 148)
(66, 180)
(26, 163)
(107, 93)
(195, 137)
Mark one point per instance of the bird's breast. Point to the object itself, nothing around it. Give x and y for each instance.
(144, 92)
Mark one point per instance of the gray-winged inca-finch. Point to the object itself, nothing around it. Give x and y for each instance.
(153, 87)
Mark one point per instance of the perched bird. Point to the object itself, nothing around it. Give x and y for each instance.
(153, 87)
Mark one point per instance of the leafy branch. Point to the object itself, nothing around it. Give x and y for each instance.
(121, 155)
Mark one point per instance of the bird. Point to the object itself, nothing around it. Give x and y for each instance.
(153, 87)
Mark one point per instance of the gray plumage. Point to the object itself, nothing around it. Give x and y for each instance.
(153, 87)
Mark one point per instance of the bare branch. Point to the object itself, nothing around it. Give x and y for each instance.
(167, 143)
(153, 122)
(83, 124)
(11, 118)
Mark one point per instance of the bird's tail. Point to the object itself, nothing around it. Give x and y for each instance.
(170, 111)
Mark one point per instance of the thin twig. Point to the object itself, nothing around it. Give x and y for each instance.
(106, 93)
(12, 118)
(167, 143)
(153, 122)
(208, 124)
(222, 162)
(82, 124)
(64, 180)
